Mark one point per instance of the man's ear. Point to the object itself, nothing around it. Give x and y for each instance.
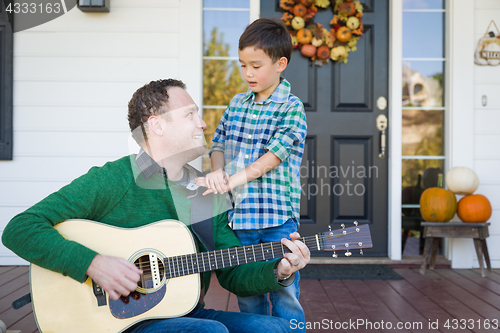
(282, 63)
(155, 125)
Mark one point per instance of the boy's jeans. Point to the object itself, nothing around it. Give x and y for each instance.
(285, 302)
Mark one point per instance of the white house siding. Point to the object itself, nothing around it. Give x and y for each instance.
(486, 126)
(73, 78)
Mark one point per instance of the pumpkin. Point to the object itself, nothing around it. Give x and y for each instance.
(347, 9)
(304, 36)
(344, 34)
(298, 23)
(308, 50)
(474, 208)
(323, 52)
(337, 53)
(352, 23)
(299, 10)
(438, 204)
(462, 180)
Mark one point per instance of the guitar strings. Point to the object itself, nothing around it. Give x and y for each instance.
(187, 263)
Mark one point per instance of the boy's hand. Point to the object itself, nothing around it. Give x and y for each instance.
(216, 182)
(296, 260)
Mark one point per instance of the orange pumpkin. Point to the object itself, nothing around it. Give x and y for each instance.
(344, 34)
(438, 204)
(474, 208)
(323, 52)
(347, 8)
(299, 10)
(304, 36)
(308, 50)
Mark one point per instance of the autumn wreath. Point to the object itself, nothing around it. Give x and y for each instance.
(316, 42)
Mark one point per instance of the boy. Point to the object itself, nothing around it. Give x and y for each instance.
(259, 143)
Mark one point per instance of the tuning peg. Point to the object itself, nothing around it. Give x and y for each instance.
(343, 226)
(361, 252)
(348, 253)
(335, 255)
(356, 223)
(329, 228)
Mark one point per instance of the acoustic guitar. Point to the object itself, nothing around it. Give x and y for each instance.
(170, 285)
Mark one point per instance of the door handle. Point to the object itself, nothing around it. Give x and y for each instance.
(381, 123)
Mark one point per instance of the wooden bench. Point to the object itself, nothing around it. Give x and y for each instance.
(434, 231)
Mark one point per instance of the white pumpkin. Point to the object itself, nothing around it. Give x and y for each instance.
(462, 180)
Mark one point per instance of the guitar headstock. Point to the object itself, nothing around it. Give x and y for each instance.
(346, 239)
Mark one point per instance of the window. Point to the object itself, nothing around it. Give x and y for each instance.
(423, 100)
(223, 23)
(5, 87)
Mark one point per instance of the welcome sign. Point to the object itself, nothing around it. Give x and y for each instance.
(488, 48)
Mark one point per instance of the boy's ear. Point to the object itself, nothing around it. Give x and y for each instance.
(282, 63)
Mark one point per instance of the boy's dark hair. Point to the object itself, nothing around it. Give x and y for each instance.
(269, 35)
(147, 101)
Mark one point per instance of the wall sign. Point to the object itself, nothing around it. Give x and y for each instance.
(488, 48)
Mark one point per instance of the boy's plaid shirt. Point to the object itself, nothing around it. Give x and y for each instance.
(248, 130)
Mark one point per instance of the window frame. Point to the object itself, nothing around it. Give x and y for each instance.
(445, 108)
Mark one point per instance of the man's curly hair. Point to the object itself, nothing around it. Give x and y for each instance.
(147, 101)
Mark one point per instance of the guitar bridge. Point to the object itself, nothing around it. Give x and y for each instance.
(99, 293)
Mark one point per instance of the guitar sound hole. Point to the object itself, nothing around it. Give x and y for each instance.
(152, 274)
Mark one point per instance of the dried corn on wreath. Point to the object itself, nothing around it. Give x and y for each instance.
(316, 42)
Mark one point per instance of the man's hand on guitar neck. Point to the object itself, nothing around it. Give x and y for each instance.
(296, 260)
(117, 276)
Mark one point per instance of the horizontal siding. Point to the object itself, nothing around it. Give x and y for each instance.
(486, 4)
(488, 90)
(96, 44)
(73, 79)
(486, 121)
(482, 146)
(71, 144)
(482, 75)
(72, 94)
(87, 69)
(32, 192)
(119, 19)
(49, 168)
(90, 118)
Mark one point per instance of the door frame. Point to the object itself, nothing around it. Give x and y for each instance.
(395, 127)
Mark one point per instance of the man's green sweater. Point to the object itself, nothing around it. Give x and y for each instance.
(116, 194)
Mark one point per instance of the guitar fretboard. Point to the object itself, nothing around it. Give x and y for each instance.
(208, 261)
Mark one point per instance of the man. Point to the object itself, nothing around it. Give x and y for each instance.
(136, 190)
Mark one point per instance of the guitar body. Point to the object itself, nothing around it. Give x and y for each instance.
(63, 305)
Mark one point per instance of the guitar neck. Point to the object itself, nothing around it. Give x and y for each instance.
(209, 261)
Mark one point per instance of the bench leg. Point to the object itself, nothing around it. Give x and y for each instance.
(426, 255)
(486, 254)
(435, 245)
(479, 251)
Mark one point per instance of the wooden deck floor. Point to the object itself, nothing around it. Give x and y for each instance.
(440, 296)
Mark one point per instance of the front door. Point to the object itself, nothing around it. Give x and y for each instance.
(343, 174)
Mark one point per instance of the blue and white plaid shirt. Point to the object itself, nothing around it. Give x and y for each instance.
(248, 130)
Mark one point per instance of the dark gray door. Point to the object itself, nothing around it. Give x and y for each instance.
(343, 177)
